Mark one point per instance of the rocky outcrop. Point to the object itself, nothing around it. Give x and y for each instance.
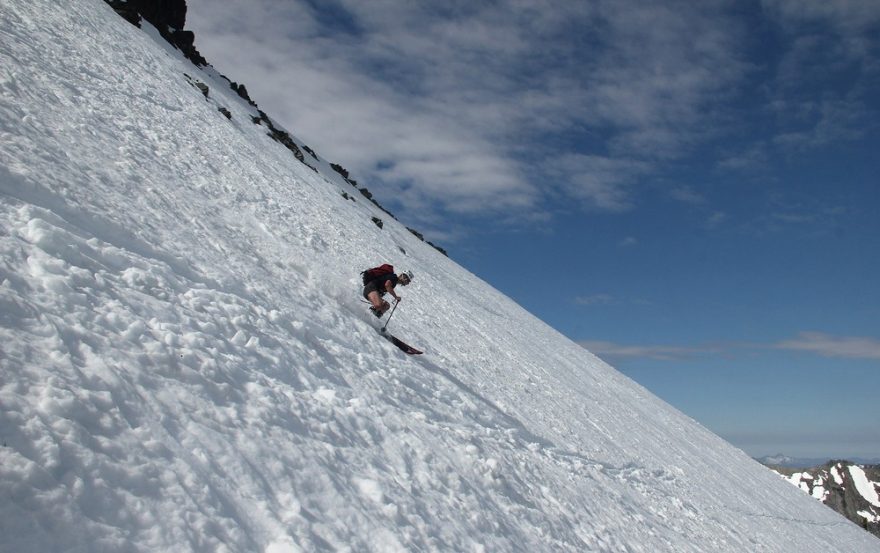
(169, 18)
(850, 489)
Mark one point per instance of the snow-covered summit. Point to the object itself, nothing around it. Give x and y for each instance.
(186, 364)
(778, 459)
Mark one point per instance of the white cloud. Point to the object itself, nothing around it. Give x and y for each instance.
(516, 108)
(833, 346)
(753, 158)
(818, 343)
(809, 217)
(600, 182)
(458, 94)
(656, 352)
(688, 195)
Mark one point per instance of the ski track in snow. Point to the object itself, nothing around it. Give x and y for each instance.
(187, 366)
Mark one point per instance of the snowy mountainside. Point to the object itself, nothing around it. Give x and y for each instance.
(187, 365)
(851, 489)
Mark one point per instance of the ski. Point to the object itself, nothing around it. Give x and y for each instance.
(406, 348)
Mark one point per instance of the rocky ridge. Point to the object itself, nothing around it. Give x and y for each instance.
(848, 488)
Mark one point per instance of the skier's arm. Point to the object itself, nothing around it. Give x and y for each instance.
(390, 289)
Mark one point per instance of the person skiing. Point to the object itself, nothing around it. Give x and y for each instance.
(379, 281)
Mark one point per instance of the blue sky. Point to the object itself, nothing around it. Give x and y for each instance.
(689, 189)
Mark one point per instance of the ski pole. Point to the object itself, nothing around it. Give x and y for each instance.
(390, 315)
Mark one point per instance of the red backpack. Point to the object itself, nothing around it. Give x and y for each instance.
(376, 272)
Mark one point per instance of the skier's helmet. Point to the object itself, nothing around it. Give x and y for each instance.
(406, 277)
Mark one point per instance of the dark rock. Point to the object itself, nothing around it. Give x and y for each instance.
(340, 169)
(203, 88)
(242, 92)
(838, 491)
(378, 222)
(438, 248)
(344, 172)
(169, 18)
(127, 10)
(281, 136)
(185, 42)
(225, 112)
(162, 13)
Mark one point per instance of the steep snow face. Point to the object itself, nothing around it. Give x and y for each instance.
(187, 365)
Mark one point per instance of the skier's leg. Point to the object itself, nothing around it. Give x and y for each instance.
(375, 299)
(379, 306)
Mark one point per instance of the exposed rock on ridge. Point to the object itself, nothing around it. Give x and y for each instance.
(168, 16)
(843, 486)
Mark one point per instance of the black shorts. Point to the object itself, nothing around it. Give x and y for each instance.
(373, 287)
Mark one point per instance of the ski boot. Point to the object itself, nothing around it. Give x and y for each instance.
(378, 312)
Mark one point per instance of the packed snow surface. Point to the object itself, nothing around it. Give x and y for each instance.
(187, 365)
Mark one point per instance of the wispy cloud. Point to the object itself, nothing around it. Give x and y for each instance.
(818, 343)
(847, 16)
(656, 352)
(599, 182)
(833, 346)
(716, 219)
(825, 81)
(805, 218)
(595, 299)
(525, 106)
(455, 105)
(688, 195)
(753, 157)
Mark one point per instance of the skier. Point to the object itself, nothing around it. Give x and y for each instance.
(378, 283)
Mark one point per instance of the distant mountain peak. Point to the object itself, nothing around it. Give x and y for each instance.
(778, 459)
(850, 489)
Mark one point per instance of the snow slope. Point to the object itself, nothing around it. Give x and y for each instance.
(186, 364)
